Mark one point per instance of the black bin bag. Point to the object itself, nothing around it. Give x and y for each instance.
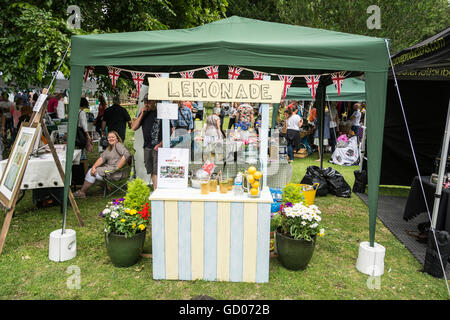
(315, 175)
(336, 183)
(360, 181)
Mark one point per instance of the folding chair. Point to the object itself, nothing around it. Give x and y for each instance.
(128, 173)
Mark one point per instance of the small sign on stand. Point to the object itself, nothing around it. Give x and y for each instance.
(173, 166)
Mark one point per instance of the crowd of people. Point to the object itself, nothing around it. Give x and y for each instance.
(297, 120)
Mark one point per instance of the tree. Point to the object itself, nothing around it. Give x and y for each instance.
(404, 22)
(34, 34)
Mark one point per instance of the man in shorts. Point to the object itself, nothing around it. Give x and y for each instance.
(152, 133)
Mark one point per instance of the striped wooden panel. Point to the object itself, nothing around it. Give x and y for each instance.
(184, 240)
(263, 240)
(197, 239)
(171, 239)
(223, 241)
(236, 240)
(158, 257)
(210, 241)
(250, 242)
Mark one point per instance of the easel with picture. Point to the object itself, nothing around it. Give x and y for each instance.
(17, 162)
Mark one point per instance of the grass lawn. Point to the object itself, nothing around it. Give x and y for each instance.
(27, 273)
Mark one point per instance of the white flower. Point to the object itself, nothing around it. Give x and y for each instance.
(318, 218)
(106, 211)
(114, 215)
(303, 223)
(314, 225)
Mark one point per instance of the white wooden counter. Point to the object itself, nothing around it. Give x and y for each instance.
(215, 237)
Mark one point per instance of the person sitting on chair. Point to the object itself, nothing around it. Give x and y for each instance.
(114, 157)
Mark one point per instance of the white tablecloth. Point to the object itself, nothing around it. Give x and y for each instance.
(42, 172)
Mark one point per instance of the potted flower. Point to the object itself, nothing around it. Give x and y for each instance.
(126, 223)
(125, 231)
(299, 227)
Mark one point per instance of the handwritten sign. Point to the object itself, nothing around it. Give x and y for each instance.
(176, 89)
(167, 111)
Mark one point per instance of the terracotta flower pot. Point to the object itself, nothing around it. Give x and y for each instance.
(124, 252)
(294, 254)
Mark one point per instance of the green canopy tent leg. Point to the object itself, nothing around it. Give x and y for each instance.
(76, 82)
(376, 87)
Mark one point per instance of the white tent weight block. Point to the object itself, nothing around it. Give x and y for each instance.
(62, 247)
(371, 259)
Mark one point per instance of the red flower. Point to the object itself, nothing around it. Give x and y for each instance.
(144, 212)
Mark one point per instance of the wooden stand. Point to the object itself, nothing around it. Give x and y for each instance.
(37, 118)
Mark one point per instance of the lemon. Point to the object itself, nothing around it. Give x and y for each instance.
(257, 175)
(251, 170)
(250, 178)
(254, 192)
(255, 184)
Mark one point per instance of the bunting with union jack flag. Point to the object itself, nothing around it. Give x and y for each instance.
(287, 82)
(138, 79)
(113, 75)
(187, 74)
(212, 72)
(234, 72)
(338, 80)
(259, 75)
(312, 82)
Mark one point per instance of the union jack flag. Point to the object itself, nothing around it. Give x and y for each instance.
(88, 72)
(187, 74)
(312, 82)
(234, 72)
(338, 80)
(138, 79)
(287, 83)
(258, 75)
(114, 75)
(212, 72)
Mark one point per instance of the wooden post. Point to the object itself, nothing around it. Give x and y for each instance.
(7, 222)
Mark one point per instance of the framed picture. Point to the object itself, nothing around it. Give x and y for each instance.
(17, 162)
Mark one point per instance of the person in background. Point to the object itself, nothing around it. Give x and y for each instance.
(16, 113)
(82, 123)
(356, 117)
(152, 133)
(60, 112)
(51, 106)
(101, 110)
(184, 120)
(114, 157)
(245, 116)
(25, 115)
(334, 125)
(221, 116)
(232, 112)
(294, 123)
(212, 131)
(115, 118)
(6, 106)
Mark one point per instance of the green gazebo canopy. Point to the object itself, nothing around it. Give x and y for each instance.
(352, 90)
(263, 46)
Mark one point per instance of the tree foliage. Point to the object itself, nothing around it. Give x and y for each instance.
(404, 22)
(34, 34)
